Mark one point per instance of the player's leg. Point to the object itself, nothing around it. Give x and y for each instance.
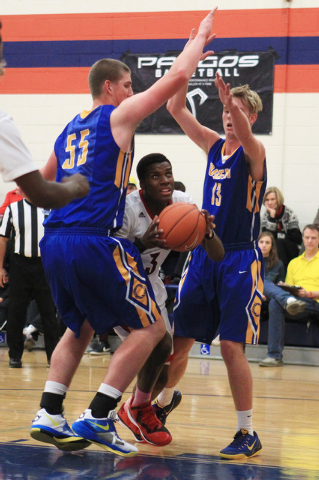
(150, 380)
(49, 425)
(169, 398)
(239, 325)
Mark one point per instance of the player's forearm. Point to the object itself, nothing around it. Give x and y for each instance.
(240, 123)
(50, 194)
(214, 248)
(177, 103)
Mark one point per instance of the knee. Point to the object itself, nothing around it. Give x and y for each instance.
(182, 347)
(231, 351)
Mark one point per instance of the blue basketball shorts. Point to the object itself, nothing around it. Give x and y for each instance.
(98, 278)
(223, 295)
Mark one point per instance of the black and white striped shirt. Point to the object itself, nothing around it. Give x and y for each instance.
(25, 221)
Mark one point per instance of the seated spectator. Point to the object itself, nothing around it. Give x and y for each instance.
(131, 186)
(283, 223)
(302, 271)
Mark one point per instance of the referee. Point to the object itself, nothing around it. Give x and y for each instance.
(26, 277)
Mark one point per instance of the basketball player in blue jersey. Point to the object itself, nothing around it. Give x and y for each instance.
(229, 293)
(97, 280)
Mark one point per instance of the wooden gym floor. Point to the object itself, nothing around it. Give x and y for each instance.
(286, 417)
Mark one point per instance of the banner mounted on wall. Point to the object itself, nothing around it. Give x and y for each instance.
(236, 68)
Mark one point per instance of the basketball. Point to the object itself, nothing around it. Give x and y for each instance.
(183, 225)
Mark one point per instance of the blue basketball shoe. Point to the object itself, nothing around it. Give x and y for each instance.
(163, 412)
(54, 429)
(243, 446)
(102, 432)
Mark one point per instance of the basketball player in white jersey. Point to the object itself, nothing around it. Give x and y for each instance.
(140, 222)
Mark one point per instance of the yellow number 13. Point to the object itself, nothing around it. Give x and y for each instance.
(216, 194)
(70, 148)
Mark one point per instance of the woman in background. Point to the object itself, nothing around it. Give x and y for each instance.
(283, 223)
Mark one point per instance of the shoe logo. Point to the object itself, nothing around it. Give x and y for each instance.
(56, 424)
(250, 448)
(141, 215)
(106, 428)
(244, 271)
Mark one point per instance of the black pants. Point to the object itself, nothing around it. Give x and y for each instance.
(27, 280)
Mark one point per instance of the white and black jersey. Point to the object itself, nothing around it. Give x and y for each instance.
(136, 221)
(25, 222)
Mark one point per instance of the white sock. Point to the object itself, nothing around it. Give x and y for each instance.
(110, 391)
(165, 397)
(245, 420)
(290, 300)
(55, 387)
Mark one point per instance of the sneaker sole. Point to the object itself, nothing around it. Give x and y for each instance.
(265, 365)
(64, 444)
(239, 456)
(139, 438)
(105, 446)
(295, 308)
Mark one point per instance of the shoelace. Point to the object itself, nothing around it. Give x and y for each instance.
(239, 437)
(149, 418)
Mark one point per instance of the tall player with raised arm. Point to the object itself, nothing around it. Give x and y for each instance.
(229, 292)
(97, 280)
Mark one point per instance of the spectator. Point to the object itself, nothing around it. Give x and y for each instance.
(179, 186)
(302, 271)
(283, 223)
(131, 186)
(27, 278)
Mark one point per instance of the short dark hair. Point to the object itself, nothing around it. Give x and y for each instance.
(311, 226)
(149, 160)
(179, 186)
(105, 69)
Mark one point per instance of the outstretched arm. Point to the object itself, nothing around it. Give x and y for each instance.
(253, 148)
(134, 109)
(202, 136)
(51, 194)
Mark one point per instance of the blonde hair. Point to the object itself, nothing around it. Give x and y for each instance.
(105, 69)
(279, 196)
(250, 98)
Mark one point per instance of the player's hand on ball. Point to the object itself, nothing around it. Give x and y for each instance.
(151, 239)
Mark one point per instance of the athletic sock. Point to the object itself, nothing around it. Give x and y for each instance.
(105, 400)
(140, 397)
(245, 421)
(165, 396)
(53, 396)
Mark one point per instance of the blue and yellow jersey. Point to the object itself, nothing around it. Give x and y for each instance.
(87, 146)
(232, 196)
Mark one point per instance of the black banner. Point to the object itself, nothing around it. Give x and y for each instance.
(236, 68)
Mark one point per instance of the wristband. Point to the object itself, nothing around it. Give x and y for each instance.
(310, 295)
(208, 237)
